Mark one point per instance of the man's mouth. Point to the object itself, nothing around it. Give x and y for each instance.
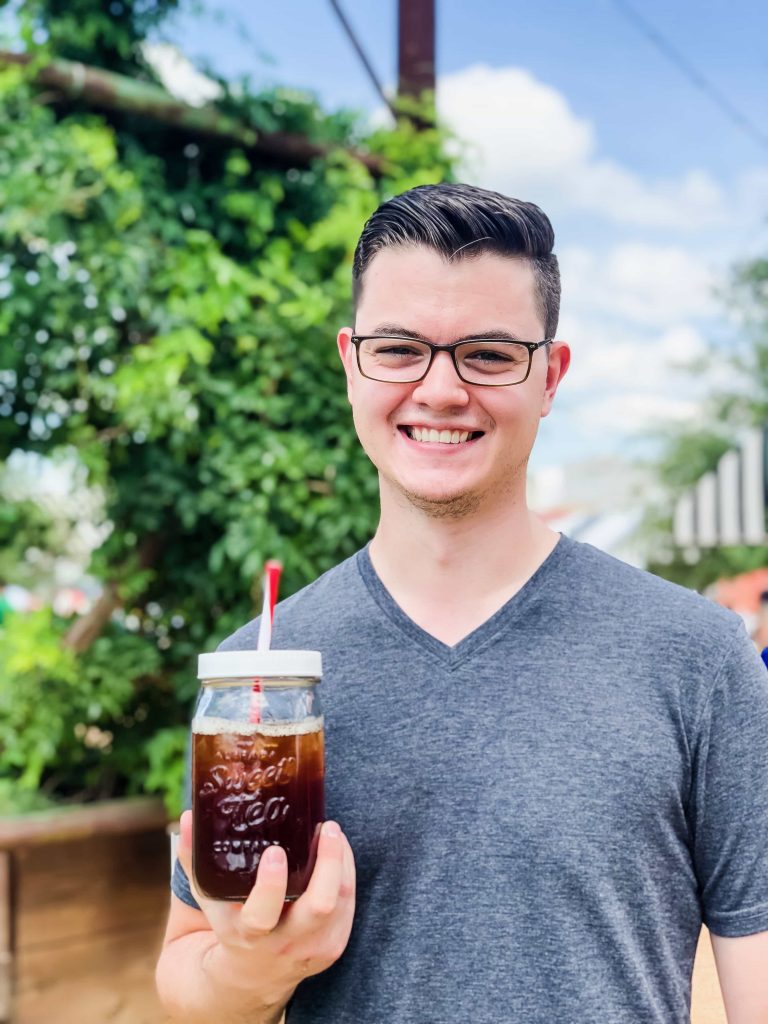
(430, 436)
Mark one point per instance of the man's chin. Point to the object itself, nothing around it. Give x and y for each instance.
(444, 506)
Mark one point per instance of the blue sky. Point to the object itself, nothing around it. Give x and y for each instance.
(643, 108)
(654, 192)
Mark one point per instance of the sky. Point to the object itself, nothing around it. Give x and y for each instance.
(653, 189)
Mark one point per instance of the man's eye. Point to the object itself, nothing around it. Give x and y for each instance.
(396, 351)
(489, 356)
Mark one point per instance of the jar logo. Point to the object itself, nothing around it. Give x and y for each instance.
(240, 777)
(243, 812)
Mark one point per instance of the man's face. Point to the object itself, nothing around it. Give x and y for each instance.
(414, 290)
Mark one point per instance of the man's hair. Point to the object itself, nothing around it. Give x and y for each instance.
(463, 222)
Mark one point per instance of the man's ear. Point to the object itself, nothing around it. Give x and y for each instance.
(347, 355)
(557, 367)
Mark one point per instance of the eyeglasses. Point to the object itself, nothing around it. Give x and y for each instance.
(494, 364)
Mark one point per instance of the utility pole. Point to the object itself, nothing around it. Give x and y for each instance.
(416, 47)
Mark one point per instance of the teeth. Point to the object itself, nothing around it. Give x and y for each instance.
(438, 436)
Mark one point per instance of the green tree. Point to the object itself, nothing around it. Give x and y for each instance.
(168, 315)
(108, 35)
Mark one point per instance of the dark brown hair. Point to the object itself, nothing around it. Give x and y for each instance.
(462, 222)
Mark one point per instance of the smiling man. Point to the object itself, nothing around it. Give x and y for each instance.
(551, 767)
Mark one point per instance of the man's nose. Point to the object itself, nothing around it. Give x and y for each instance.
(442, 386)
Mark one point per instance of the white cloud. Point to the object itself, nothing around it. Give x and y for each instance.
(600, 356)
(602, 186)
(682, 344)
(654, 285)
(513, 123)
(624, 357)
(525, 139)
(632, 413)
(629, 382)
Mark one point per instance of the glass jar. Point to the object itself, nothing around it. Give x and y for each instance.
(257, 768)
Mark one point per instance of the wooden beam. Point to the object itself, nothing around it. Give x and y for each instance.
(108, 817)
(110, 91)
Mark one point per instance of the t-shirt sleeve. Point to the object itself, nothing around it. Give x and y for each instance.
(180, 886)
(179, 881)
(730, 795)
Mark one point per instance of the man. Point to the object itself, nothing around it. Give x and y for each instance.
(551, 767)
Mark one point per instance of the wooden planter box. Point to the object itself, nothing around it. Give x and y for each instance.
(83, 902)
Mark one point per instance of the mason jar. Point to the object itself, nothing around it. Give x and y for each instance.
(257, 768)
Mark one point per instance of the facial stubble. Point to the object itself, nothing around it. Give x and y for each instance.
(468, 503)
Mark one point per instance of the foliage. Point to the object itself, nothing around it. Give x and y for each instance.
(74, 713)
(166, 752)
(168, 313)
(23, 526)
(105, 35)
(688, 455)
(21, 801)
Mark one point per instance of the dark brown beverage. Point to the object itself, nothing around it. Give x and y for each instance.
(259, 786)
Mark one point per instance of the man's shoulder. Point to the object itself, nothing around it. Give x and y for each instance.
(328, 598)
(622, 590)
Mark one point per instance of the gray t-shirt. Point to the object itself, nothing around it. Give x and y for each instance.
(543, 814)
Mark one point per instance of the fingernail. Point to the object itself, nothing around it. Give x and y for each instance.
(331, 829)
(271, 858)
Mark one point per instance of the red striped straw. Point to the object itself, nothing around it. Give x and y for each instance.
(272, 571)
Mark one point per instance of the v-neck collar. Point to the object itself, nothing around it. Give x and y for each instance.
(451, 656)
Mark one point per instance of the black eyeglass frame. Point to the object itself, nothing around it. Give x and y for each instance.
(531, 346)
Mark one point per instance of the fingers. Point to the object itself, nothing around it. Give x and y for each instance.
(348, 874)
(325, 912)
(345, 910)
(184, 855)
(332, 885)
(222, 917)
(322, 893)
(262, 910)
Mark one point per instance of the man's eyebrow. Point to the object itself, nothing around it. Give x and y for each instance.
(398, 331)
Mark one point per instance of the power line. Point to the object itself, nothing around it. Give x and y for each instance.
(692, 73)
(361, 54)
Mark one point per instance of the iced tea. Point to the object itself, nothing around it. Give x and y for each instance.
(255, 785)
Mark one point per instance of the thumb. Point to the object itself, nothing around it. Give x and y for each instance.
(221, 916)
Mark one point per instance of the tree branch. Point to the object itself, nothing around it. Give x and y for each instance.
(82, 633)
(85, 630)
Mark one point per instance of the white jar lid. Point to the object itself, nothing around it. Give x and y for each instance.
(252, 664)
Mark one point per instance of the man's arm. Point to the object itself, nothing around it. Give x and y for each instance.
(742, 967)
(232, 963)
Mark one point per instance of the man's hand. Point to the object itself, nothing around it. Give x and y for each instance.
(237, 961)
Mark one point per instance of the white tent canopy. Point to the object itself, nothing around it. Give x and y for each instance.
(728, 506)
